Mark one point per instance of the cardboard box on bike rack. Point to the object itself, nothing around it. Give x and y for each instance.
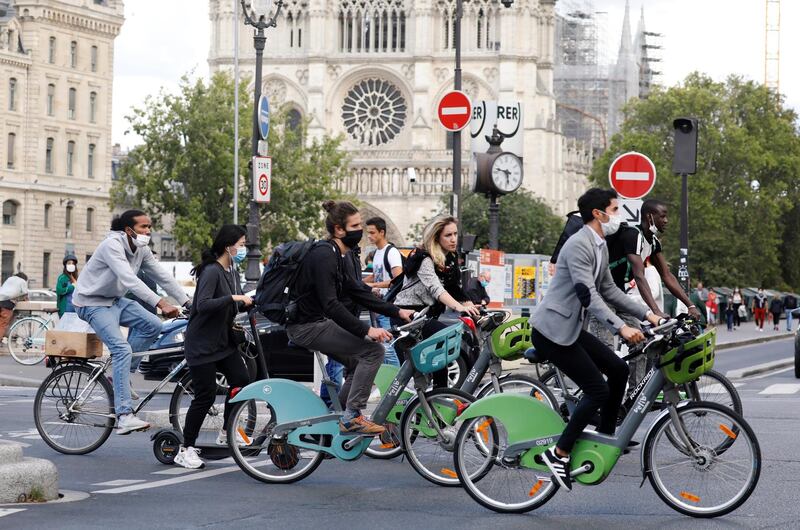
(73, 344)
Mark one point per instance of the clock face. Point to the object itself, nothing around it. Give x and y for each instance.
(507, 172)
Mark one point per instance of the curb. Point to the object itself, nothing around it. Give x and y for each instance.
(760, 368)
(12, 380)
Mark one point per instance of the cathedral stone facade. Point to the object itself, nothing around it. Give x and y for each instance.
(374, 71)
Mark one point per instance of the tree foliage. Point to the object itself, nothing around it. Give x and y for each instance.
(527, 225)
(184, 167)
(743, 218)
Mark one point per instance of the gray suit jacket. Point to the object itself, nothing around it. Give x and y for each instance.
(574, 287)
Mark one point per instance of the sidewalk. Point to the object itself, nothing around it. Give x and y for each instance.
(749, 334)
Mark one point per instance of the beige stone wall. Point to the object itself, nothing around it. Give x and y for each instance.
(32, 183)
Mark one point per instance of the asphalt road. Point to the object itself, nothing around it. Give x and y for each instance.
(128, 488)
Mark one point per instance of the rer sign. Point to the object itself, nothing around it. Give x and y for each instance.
(632, 175)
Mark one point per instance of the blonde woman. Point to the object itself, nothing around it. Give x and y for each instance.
(433, 279)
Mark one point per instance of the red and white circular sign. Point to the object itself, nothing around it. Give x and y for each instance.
(632, 175)
(455, 110)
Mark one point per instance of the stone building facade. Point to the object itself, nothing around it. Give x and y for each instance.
(374, 71)
(57, 64)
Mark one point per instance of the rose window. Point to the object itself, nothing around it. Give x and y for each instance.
(374, 112)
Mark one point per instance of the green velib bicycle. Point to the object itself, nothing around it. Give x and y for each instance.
(293, 429)
(702, 458)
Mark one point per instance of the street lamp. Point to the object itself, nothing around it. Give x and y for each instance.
(256, 14)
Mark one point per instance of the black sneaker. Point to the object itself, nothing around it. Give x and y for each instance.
(559, 466)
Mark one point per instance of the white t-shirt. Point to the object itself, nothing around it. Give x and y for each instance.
(378, 263)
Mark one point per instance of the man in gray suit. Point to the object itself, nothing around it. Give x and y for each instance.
(582, 283)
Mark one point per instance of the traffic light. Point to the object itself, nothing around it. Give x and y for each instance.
(684, 160)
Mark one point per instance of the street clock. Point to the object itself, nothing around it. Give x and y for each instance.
(497, 172)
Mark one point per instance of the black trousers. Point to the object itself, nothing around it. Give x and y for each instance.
(585, 362)
(204, 384)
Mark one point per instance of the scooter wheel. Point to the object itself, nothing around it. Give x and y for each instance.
(165, 447)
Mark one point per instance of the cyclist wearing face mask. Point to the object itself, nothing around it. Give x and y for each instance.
(583, 283)
(209, 346)
(99, 299)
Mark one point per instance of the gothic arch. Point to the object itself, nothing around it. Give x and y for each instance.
(393, 233)
(276, 84)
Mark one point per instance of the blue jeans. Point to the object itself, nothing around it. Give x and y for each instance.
(789, 313)
(335, 371)
(391, 355)
(143, 329)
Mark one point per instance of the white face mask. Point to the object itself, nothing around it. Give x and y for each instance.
(611, 226)
(71, 267)
(141, 240)
(653, 228)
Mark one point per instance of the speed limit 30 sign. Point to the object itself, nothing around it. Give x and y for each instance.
(262, 179)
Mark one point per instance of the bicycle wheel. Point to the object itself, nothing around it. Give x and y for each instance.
(523, 384)
(72, 416)
(708, 484)
(497, 482)
(182, 397)
(26, 340)
(388, 445)
(714, 387)
(265, 457)
(550, 379)
(429, 454)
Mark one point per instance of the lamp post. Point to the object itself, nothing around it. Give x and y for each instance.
(255, 14)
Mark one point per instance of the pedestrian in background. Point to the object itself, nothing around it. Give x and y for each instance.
(776, 308)
(65, 285)
(13, 290)
(730, 310)
(790, 306)
(711, 307)
(476, 289)
(760, 309)
(737, 302)
(370, 260)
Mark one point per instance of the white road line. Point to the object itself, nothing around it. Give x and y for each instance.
(782, 388)
(171, 481)
(9, 511)
(121, 482)
(173, 471)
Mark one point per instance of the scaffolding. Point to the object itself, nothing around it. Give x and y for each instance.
(772, 46)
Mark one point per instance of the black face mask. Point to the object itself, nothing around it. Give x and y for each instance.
(352, 238)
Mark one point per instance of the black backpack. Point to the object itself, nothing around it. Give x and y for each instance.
(572, 226)
(274, 290)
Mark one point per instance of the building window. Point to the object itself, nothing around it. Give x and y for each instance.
(94, 58)
(372, 26)
(70, 157)
(51, 54)
(374, 111)
(12, 144)
(12, 94)
(90, 162)
(73, 54)
(10, 213)
(48, 156)
(68, 219)
(51, 100)
(73, 94)
(47, 209)
(89, 219)
(46, 270)
(7, 265)
(93, 107)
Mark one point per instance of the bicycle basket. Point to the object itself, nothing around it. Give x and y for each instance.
(510, 340)
(688, 361)
(439, 350)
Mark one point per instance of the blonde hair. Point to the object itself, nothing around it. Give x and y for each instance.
(430, 239)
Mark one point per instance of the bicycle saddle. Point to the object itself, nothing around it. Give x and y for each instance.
(533, 357)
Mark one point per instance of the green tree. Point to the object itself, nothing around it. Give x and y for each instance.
(527, 224)
(184, 166)
(741, 200)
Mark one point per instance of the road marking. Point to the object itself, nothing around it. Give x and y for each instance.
(782, 388)
(171, 481)
(174, 471)
(768, 374)
(9, 511)
(121, 482)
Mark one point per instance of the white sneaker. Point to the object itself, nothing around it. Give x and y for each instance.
(128, 423)
(189, 457)
(222, 439)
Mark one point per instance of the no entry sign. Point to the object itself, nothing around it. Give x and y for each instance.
(632, 175)
(455, 110)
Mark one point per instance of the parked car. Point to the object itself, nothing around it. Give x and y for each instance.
(42, 295)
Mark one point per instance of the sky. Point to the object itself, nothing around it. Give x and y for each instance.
(161, 40)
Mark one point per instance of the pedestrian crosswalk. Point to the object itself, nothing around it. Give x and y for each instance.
(781, 389)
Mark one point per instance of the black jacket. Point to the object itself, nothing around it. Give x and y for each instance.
(208, 337)
(476, 292)
(325, 291)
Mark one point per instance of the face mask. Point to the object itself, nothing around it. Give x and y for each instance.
(612, 226)
(241, 254)
(653, 228)
(484, 283)
(352, 237)
(140, 240)
(71, 267)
